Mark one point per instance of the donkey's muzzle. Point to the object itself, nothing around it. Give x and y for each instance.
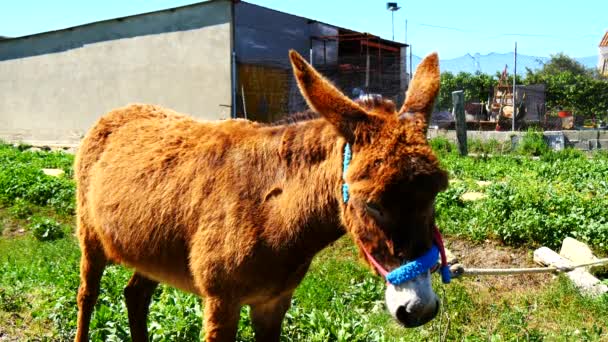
(412, 303)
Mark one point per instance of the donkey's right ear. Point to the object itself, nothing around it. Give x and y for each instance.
(326, 99)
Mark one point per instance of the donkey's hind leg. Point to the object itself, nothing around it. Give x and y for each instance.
(138, 294)
(92, 263)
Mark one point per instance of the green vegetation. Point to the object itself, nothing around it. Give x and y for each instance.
(530, 202)
(569, 86)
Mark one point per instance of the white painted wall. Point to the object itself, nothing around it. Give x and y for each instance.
(56, 97)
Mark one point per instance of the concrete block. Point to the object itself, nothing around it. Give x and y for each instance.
(577, 252)
(583, 280)
(555, 140)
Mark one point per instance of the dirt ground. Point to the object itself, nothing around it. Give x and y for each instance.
(490, 254)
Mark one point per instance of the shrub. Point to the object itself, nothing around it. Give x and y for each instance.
(532, 143)
(491, 146)
(46, 229)
(442, 145)
(21, 209)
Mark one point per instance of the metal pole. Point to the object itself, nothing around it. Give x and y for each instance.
(411, 66)
(393, 23)
(244, 103)
(514, 83)
(366, 68)
(405, 58)
(407, 78)
(234, 85)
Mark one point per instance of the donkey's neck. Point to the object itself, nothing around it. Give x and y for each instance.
(304, 198)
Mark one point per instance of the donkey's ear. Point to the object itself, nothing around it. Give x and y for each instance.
(324, 98)
(423, 90)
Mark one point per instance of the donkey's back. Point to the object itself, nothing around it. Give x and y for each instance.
(144, 173)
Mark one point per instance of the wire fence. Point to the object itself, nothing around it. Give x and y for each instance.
(267, 90)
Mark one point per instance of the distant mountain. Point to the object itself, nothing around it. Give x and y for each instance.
(495, 62)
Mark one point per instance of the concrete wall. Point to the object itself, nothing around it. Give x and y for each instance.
(53, 86)
(583, 140)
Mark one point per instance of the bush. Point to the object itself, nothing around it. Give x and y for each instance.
(21, 177)
(21, 209)
(46, 229)
(532, 143)
(442, 145)
(491, 146)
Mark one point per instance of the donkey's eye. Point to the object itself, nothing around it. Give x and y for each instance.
(374, 208)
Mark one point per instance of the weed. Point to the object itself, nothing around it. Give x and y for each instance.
(21, 209)
(442, 145)
(532, 144)
(45, 229)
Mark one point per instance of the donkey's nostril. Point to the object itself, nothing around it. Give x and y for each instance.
(414, 319)
(402, 315)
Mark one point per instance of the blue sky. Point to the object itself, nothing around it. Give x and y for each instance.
(452, 28)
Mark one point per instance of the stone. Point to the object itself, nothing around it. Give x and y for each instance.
(53, 172)
(484, 183)
(583, 280)
(577, 252)
(473, 196)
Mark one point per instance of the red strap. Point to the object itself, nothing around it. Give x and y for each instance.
(438, 241)
(376, 264)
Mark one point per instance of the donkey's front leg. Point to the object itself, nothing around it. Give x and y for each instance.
(221, 319)
(267, 317)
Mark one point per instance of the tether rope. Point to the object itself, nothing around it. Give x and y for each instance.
(458, 270)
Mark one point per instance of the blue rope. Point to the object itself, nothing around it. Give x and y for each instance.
(415, 268)
(345, 163)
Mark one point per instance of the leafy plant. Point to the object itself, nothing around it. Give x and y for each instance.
(45, 229)
(532, 144)
(21, 209)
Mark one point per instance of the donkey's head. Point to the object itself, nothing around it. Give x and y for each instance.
(392, 179)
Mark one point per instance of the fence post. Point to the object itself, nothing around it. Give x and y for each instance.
(460, 120)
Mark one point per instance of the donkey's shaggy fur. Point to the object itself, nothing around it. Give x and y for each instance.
(234, 211)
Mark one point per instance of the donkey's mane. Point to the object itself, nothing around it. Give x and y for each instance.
(294, 118)
(370, 102)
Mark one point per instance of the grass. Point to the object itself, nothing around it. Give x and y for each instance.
(531, 202)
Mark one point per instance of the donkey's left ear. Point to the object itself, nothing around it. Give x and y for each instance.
(423, 90)
(326, 99)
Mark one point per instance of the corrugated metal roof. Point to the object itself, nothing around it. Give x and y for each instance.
(604, 41)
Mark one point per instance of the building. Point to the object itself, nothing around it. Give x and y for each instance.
(213, 60)
(602, 64)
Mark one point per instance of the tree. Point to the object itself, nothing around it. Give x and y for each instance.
(477, 87)
(571, 86)
(563, 63)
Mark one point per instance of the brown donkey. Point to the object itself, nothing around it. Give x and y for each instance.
(235, 211)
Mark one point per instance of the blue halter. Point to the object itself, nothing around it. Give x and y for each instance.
(409, 270)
